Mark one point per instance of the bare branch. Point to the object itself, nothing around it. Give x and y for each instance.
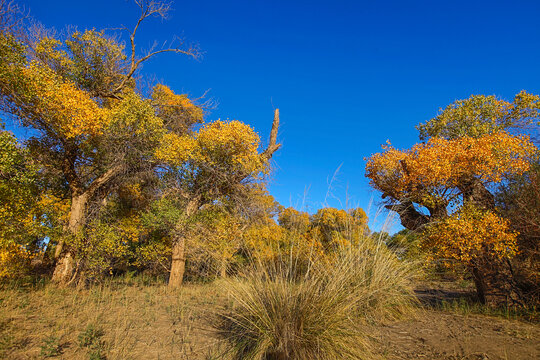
(11, 15)
(154, 8)
(150, 9)
(273, 146)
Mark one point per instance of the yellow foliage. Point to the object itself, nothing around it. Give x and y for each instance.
(470, 234)
(265, 241)
(55, 206)
(176, 149)
(48, 49)
(155, 256)
(59, 103)
(231, 146)
(445, 164)
(15, 260)
(481, 115)
(214, 240)
(176, 108)
(335, 228)
(294, 220)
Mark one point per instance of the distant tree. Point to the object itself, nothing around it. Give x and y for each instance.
(382, 236)
(335, 228)
(294, 220)
(405, 243)
(325, 233)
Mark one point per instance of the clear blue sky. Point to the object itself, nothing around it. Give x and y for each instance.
(346, 75)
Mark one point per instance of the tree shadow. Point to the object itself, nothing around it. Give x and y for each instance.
(436, 298)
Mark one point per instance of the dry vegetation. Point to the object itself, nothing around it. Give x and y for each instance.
(140, 318)
(321, 314)
(124, 319)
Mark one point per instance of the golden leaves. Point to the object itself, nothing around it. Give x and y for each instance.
(441, 163)
(469, 234)
(481, 115)
(176, 149)
(15, 260)
(231, 146)
(173, 106)
(58, 103)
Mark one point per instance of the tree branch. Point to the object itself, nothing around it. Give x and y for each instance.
(149, 9)
(105, 178)
(409, 216)
(273, 146)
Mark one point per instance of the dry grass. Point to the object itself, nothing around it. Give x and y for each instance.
(139, 319)
(112, 321)
(324, 314)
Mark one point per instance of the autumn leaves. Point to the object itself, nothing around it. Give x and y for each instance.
(442, 187)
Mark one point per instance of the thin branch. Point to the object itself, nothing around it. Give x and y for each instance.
(11, 16)
(149, 9)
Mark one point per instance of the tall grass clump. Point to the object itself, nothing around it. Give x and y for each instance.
(325, 313)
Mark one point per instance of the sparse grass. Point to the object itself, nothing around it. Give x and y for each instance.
(459, 296)
(466, 306)
(114, 320)
(138, 319)
(324, 314)
(50, 347)
(90, 338)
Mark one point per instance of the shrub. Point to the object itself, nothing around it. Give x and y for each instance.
(324, 314)
(15, 261)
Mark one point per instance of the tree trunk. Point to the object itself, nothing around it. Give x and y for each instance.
(480, 284)
(65, 264)
(223, 268)
(475, 192)
(409, 216)
(494, 283)
(178, 264)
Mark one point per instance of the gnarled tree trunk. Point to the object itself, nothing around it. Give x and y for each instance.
(65, 264)
(65, 267)
(409, 216)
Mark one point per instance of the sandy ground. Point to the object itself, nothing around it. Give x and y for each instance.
(440, 335)
(149, 322)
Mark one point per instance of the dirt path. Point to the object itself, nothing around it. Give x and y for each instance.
(438, 335)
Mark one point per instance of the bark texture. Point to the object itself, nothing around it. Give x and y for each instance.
(65, 264)
(178, 264)
(409, 216)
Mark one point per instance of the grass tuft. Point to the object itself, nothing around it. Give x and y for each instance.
(324, 314)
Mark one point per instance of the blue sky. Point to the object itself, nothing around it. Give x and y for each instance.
(346, 75)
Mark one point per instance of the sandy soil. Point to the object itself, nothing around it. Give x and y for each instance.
(439, 335)
(150, 322)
